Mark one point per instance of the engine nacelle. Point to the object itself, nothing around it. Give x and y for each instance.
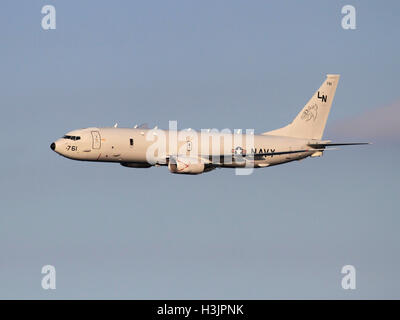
(185, 165)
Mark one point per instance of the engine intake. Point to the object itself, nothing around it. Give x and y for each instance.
(186, 165)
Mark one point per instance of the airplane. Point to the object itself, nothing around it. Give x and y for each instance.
(191, 152)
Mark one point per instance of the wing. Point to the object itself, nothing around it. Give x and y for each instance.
(254, 156)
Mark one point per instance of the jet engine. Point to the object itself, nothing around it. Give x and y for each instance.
(186, 165)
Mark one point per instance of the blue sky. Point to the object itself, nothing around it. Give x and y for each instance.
(114, 232)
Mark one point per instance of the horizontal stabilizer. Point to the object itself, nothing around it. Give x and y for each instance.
(328, 144)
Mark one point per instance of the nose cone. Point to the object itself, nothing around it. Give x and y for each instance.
(53, 146)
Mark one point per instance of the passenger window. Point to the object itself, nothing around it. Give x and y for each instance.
(131, 142)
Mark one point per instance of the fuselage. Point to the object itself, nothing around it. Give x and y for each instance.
(138, 147)
(195, 152)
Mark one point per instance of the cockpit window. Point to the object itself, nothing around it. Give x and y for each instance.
(74, 138)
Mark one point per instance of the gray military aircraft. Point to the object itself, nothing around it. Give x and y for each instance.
(193, 152)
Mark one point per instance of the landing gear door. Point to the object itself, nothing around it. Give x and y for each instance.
(96, 140)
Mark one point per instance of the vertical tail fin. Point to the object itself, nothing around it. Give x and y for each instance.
(310, 122)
